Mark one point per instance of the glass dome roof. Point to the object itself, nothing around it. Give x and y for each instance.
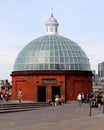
(52, 52)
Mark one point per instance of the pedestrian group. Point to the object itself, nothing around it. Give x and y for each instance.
(94, 98)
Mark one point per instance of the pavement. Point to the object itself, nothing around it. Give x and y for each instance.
(64, 117)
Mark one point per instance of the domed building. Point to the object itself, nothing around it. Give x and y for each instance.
(51, 65)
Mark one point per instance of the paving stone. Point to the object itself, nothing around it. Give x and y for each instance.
(67, 117)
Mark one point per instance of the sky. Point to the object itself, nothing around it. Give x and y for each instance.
(21, 21)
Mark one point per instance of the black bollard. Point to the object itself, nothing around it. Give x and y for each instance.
(103, 106)
(90, 108)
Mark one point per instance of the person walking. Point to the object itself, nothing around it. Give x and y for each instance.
(20, 94)
(79, 98)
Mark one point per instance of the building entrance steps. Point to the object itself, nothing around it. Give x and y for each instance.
(15, 107)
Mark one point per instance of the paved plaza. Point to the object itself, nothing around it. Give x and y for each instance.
(67, 117)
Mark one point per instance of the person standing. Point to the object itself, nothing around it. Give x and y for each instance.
(87, 98)
(1, 96)
(79, 98)
(20, 94)
(83, 98)
(57, 99)
(99, 100)
(62, 100)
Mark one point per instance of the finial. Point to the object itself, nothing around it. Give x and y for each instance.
(51, 12)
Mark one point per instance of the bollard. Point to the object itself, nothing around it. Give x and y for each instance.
(103, 106)
(103, 103)
(90, 108)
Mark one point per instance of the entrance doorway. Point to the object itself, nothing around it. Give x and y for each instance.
(42, 94)
(55, 91)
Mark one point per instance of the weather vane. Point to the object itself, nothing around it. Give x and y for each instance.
(52, 11)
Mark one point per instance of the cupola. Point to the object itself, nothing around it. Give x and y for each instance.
(51, 26)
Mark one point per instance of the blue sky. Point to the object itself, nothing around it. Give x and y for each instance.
(21, 21)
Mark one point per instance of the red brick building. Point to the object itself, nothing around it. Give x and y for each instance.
(50, 65)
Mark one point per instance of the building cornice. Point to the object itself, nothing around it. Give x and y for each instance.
(51, 72)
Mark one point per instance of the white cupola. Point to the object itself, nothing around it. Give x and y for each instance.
(51, 26)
